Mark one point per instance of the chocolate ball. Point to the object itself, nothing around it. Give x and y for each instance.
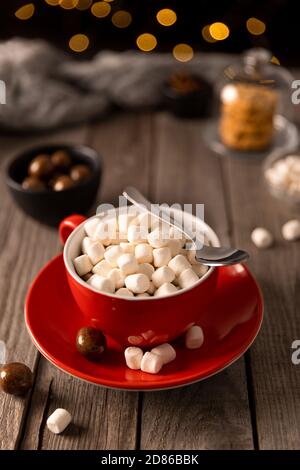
(61, 160)
(33, 183)
(62, 182)
(91, 343)
(15, 378)
(41, 167)
(80, 173)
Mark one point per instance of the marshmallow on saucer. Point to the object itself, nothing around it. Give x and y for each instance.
(133, 357)
(194, 337)
(151, 363)
(166, 352)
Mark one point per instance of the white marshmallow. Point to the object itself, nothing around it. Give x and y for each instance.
(102, 284)
(199, 269)
(106, 230)
(144, 294)
(128, 247)
(151, 363)
(261, 237)
(124, 220)
(86, 242)
(95, 252)
(59, 420)
(165, 289)
(90, 227)
(191, 256)
(151, 289)
(157, 239)
(117, 277)
(176, 234)
(133, 357)
(137, 283)
(162, 275)
(194, 337)
(166, 352)
(144, 253)
(147, 221)
(82, 265)
(175, 247)
(187, 278)
(179, 264)
(161, 256)
(124, 292)
(136, 234)
(112, 255)
(291, 230)
(102, 268)
(146, 268)
(127, 263)
(117, 240)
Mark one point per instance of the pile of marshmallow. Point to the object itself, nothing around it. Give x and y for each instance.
(284, 175)
(138, 260)
(153, 361)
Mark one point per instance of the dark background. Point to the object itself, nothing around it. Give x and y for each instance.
(58, 25)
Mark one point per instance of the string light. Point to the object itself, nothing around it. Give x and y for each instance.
(206, 34)
(84, 4)
(79, 42)
(166, 17)
(53, 3)
(219, 31)
(25, 12)
(121, 19)
(101, 9)
(183, 52)
(68, 4)
(146, 42)
(255, 26)
(275, 60)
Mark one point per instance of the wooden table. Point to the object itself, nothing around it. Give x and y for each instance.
(254, 404)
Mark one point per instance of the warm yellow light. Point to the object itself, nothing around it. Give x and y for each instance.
(79, 42)
(68, 4)
(183, 52)
(275, 60)
(25, 12)
(255, 26)
(121, 19)
(84, 4)
(53, 3)
(101, 9)
(206, 34)
(219, 31)
(146, 42)
(108, 1)
(166, 17)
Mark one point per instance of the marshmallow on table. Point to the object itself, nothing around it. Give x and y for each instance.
(151, 363)
(179, 264)
(127, 263)
(291, 230)
(166, 352)
(161, 256)
(261, 237)
(144, 253)
(162, 275)
(82, 265)
(117, 277)
(102, 268)
(90, 227)
(59, 420)
(137, 283)
(86, 242)
(133, 357)
(128, 247)
(157, 238)
(136, 234)
(112, 255)
(199, 269)
(95, 251)
(124, 292)
(102, 284)
(187, 278)
(194, 337)
(165, 289)
(146, 268)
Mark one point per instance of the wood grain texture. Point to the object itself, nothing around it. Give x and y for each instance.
(213, 414)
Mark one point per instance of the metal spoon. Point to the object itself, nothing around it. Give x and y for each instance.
(208, 255)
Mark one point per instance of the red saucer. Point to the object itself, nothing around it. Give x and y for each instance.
(53, 319)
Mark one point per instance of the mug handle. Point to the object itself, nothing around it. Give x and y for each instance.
(67, 226)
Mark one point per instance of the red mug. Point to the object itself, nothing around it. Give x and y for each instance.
(137, 321)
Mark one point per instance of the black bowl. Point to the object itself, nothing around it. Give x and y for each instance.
(48, 206)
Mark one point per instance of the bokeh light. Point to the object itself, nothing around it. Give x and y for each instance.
(146, 42)
(68, 4)
(101, 9)
(219, 31)
(183, 52)
(206, 34)
(255, 26)
(166, 17)
(121, 19)
(25, 12)
(53, 3)
(275, 60)
(79, 42)
(84, 4)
